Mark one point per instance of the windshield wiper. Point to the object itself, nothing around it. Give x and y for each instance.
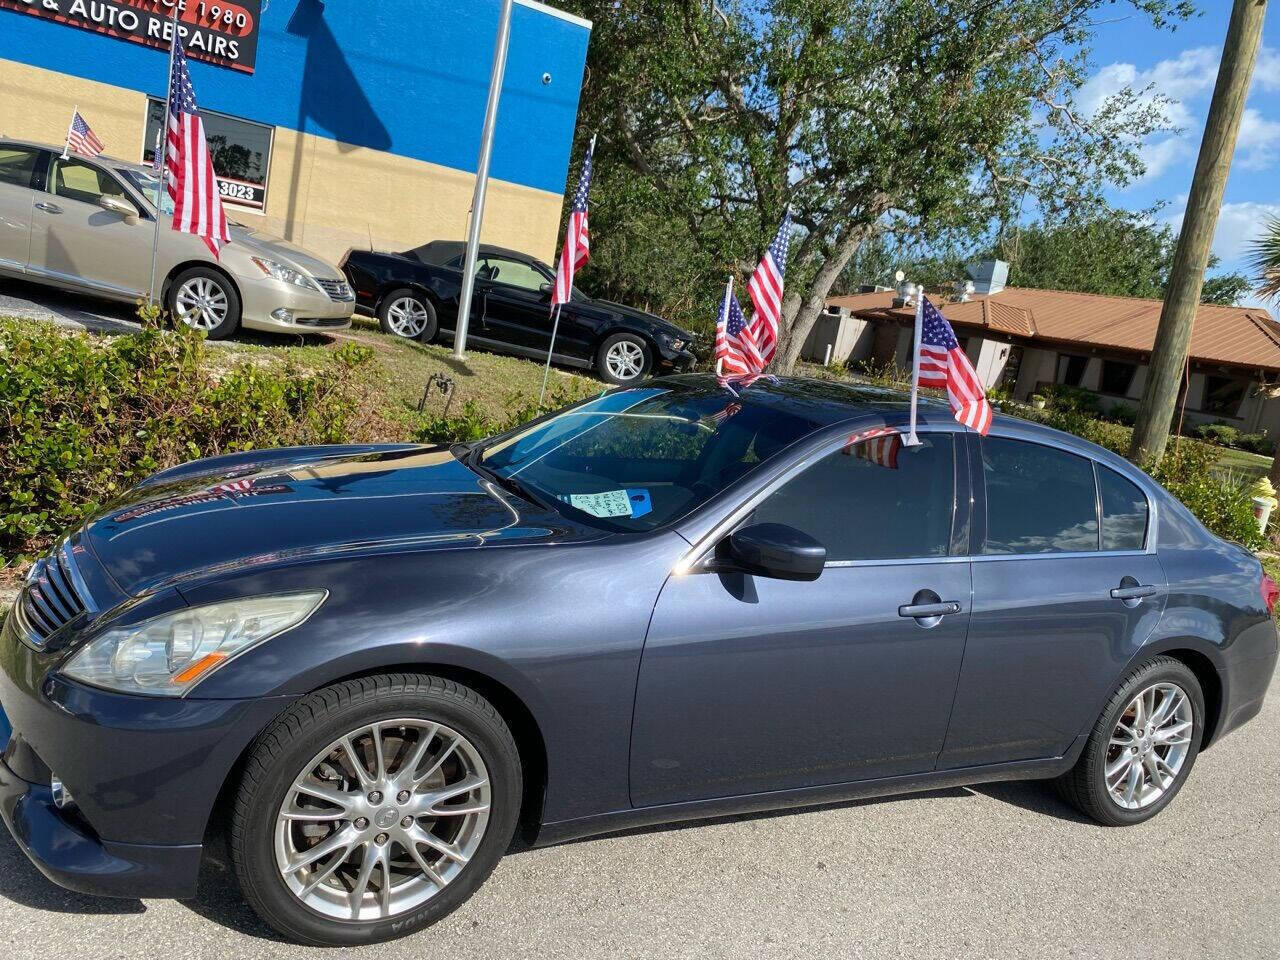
(471, 457)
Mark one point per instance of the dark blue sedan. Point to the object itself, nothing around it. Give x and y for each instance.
(379, 667)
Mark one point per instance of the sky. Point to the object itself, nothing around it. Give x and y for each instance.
(1182, 65)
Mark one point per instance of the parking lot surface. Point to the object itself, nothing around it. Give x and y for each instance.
(996, 871)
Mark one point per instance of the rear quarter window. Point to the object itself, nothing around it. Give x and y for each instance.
(1124, 512)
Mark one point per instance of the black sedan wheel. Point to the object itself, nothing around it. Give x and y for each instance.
(407, 313)
(1142, 748)
(623, 358)
(375, 807)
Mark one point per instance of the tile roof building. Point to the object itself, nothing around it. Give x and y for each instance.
(1025, 340)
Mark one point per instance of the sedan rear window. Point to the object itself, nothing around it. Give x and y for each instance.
(1039, 499)
(638, 459)
(1124, 512)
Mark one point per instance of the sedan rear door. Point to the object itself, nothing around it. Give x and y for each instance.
(17, 173)
(749, 684)
(1066, 586)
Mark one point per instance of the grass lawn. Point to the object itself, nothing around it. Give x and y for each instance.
(1243, 462)
(494, 382)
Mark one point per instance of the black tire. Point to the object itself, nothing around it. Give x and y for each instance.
(633, 340)
(1084, 785)
(230, 323)
(287, 745)
(388, 323)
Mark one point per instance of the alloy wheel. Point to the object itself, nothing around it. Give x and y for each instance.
(407, 317)
(382, 819)
(625, 360)
(202, 303)
(1149, 746)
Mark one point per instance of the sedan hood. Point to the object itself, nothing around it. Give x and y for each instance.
(651, 318)
(284, 252)
(308, 506)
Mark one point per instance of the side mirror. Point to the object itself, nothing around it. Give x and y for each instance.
(115, 205)
(776, 550)
(545, 288)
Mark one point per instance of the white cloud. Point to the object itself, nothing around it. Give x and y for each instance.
(1258, 141)
(1238, 224)
(1189, 76)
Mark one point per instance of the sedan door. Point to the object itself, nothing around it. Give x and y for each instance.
(17, 171)
(74, 240)
(749, 684)
(517, 303)
(1065, 591)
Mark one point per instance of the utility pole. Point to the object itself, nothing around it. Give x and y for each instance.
(1186, 278)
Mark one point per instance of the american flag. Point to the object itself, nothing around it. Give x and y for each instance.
(82, 139)
(197, 205)
(944, 366)
(765, 287)
(879, 445)
(735, 344)
(732, 408)
(577, 244)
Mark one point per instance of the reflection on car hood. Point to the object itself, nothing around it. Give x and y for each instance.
(408, 499)
(283, 251)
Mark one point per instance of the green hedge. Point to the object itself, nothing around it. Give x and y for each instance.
(81, 419)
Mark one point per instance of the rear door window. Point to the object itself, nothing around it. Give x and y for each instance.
(1039, 499)
(1124, 512)
(17, 164)
(873, 500)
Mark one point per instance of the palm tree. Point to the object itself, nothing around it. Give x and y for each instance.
(1264, 258)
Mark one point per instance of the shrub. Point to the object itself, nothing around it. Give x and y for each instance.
(1122, 413)
(1222, 503)
(1221, 433)
(1257, 443)
(83, 419)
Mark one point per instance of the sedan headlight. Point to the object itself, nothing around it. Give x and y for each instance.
(278, 271)
(675, 343)
(167, 656)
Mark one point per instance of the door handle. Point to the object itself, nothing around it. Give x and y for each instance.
(923, 610)
(49, 207)
(1135, 592)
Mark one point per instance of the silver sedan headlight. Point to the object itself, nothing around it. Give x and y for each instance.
(169, 655)
(278, 271)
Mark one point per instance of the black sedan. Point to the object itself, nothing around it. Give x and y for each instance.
(414, 294)
(366, 668)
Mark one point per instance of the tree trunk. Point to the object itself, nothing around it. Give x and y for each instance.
(1186, 278)
(801, 311)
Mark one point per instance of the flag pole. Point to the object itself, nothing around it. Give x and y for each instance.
(66, 143)
(162, 159)
(911, 440)
(555, 326)
(722, 321)
(555, 323)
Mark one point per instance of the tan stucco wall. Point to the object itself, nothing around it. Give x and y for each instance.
(322, 194)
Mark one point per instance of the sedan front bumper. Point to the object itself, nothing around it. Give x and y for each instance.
(144, 773)
(308, 310)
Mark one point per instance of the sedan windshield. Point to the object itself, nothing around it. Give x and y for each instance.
(638, 459)
(149, 186)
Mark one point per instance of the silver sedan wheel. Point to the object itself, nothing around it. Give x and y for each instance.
(407, 317)
(1149, 746)
(625, 360)
(202, 303)
(382, 819)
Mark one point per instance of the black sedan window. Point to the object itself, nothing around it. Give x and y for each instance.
(638, 459)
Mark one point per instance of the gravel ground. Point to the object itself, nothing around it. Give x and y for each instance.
(996, 871)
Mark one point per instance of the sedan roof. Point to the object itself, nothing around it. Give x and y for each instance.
(440, 252)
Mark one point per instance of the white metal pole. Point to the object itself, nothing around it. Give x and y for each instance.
(911, 439)
(555, 326)
(482, 180)
(66, 143)
(162, 157)
(723, 319)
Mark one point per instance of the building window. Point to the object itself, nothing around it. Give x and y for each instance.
(241, 152)
(1222, 396)
(1117, 377)
(1071, 369)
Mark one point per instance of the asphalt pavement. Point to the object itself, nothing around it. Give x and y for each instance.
(995, 871)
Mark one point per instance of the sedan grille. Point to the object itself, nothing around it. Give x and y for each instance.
(52, 596)
(339, 291)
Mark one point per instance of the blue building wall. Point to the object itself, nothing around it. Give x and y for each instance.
(409, 77)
